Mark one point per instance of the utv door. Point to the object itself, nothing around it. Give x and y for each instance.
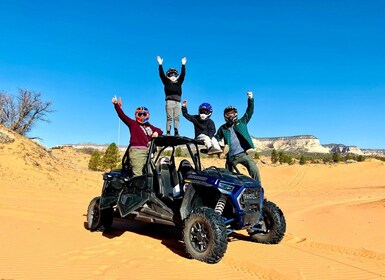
(134, 194)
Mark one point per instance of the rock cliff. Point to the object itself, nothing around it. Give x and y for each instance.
(300, 143)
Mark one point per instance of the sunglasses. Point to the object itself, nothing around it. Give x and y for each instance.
(142, 114)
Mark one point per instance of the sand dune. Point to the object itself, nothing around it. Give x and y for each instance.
(335, 225)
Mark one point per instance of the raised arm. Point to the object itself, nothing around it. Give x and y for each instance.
(250, 108)
(161, 71)
(118, 104)
(183, 71)
(186, 114)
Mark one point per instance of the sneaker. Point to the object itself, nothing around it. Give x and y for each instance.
(176, 133)
(168, 133)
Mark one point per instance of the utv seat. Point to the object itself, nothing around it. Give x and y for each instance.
(168, 179)
(184, 167)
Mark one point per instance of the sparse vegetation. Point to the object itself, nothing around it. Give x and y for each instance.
(20, 114)
(111, 157)
(88, 150)
(274, 156)
(380, 158)
(313, 158)
(302, 160)
(336, 157)
(95, 161)
(104, 161)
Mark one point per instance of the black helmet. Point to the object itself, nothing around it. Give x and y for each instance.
(172, 72)
(231, 114)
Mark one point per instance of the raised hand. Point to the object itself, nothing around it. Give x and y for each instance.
(114, 100)
(184, 104)
(117, 101)
(250, 94)
(184, 60)
(160, 60)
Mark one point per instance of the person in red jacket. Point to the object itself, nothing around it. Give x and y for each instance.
(141, 132)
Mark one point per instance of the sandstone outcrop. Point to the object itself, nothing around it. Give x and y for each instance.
(300, 143)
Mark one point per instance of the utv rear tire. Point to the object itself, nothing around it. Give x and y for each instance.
(204, 235)
(275, 223)
(99, 220)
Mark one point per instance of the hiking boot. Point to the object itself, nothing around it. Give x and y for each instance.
(176, 132)
(213, 151)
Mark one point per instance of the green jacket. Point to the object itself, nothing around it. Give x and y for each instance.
(240, 128)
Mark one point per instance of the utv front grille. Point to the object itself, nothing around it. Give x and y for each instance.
(250, 198)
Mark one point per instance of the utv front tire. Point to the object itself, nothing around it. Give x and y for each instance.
(274, 225)
(204, 235)
(99, 220)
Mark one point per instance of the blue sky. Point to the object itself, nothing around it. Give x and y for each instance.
(315, 67)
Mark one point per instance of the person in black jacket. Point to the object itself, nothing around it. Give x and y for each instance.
(172, 82)
(204, 127)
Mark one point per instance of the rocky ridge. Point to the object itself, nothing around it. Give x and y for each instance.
(299, 144)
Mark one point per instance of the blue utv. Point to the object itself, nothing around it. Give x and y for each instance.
(207, 204)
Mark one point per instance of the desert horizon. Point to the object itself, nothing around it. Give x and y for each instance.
(334, 215)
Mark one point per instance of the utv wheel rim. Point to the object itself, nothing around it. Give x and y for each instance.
(95, 214)
(199, 237)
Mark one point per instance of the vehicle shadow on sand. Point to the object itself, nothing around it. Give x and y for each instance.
(170, 237)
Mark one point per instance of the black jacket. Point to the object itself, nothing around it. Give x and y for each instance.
(172, 90)
(206, 127)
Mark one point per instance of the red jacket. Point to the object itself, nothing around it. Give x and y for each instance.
(138, 136)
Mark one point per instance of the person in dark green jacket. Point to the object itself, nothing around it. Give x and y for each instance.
(237, 137)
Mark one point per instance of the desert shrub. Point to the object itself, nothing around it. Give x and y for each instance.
(87, 150)
(336, 157)
(57, 148)
(360, 158)
(255, 155)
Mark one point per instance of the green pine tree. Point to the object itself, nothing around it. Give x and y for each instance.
(274, 156)
(336, 157)
(281, 157)
(302, 160)
(111, 157)
(95, 161)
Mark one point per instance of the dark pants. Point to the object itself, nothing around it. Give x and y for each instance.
(246, 161)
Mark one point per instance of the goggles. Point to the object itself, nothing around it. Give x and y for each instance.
(142, 114)
(204, 111)
(231, 114)
(172, 74)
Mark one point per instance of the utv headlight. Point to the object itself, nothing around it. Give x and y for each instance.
(226, 187)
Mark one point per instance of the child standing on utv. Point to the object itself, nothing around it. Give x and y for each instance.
(237, 137)
(172, 82)
(204, 127)
(141, 133)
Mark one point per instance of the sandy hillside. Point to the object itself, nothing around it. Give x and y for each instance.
(335, 224)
